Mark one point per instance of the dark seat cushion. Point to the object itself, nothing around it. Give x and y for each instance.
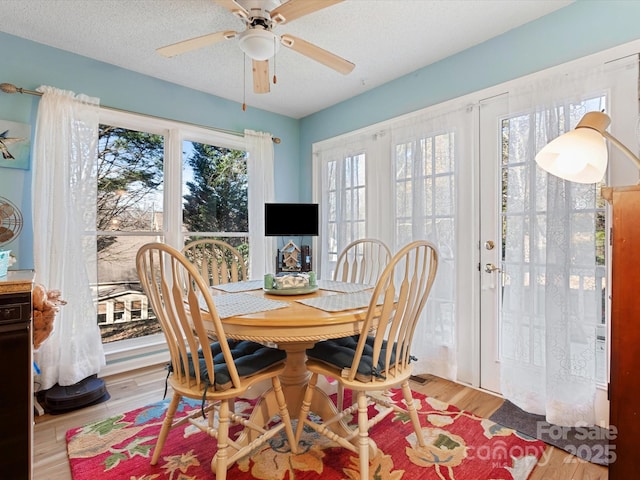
(339, 352)
(249, 357)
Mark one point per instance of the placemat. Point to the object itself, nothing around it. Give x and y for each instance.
(345, 287)
(337, 303)
(233, 304)
(244, 286)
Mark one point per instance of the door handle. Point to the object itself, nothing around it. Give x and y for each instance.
(490, 268)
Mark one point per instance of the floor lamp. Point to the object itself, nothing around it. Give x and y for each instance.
(581, 156)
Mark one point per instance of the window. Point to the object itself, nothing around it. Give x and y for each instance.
(130, 209)
(425, 208)
(425, 189)
(149, 191)
(345, 204)
(426, 177)
(215, 194)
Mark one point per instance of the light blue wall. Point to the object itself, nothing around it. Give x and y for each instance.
(28, 65)
(580, 29)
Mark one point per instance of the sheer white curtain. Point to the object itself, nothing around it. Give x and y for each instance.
(260, 167)
(428, 155)
(64, 213)
(408, 178)
(553, 293)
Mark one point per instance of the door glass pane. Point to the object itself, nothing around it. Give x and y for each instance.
(526, 229)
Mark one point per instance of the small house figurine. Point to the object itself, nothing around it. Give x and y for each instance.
(291, 257)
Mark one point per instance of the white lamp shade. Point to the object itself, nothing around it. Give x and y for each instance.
(259, 44)
(579, 156)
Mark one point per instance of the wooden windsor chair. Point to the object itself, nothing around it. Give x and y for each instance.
(214, 372)
(374, 362)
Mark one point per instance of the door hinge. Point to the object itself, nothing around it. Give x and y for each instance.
(610, 236)
(608, 391)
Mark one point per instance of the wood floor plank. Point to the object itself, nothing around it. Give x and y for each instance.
(589, 471)
(480, 403)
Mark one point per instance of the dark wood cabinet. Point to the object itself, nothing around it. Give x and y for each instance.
(16, 370)
(624, 386)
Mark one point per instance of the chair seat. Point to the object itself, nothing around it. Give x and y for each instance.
(250, 359)
(339, 353)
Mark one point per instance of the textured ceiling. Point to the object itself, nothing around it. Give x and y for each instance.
(386, 39)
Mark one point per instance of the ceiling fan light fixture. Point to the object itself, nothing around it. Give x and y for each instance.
(259, 44)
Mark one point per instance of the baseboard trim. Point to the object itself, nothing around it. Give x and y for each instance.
(133, 357)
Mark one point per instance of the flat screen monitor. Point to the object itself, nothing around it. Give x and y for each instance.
(295, 219)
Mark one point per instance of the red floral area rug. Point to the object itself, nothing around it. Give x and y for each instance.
(459, 446)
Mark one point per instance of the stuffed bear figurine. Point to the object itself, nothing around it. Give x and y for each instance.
(45, 306)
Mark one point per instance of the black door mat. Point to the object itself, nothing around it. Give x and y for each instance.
(590, 443)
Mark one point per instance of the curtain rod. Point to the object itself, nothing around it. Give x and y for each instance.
(10, 88)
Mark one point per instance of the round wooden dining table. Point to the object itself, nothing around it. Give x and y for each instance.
(294, 329)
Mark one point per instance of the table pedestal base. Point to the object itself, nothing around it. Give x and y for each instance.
(294, 381)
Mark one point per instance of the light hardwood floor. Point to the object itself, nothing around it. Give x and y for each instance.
(145, 386)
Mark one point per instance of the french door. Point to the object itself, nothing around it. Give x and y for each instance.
(500, 165)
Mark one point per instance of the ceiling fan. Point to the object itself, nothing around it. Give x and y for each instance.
(258, 40)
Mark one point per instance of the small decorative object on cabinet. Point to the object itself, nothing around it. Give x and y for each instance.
(46, 304)
(4, 262)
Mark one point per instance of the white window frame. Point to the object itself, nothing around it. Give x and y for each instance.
(125, 355)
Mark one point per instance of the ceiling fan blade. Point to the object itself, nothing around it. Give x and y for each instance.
(293, 9)
(195, 43)
(261, 76)
(318, 54)
(233, 6)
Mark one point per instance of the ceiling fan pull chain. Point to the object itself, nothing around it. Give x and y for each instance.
(275, 79)
(244, 83)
